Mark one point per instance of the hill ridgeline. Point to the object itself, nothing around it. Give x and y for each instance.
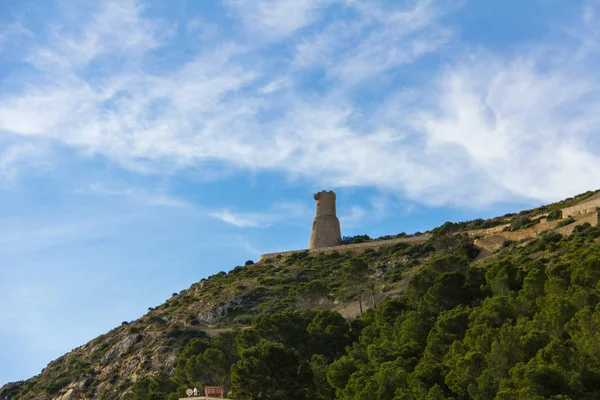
(499, 309)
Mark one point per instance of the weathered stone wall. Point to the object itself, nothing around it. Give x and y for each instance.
(352, 247)
(586, 207)
(491, 238)
(535, 230)
(592, 219)
(326, 226)
(490, 243)
(515, 235)
(280, 254)
(528, 233)
(543, 226)
(487, 231)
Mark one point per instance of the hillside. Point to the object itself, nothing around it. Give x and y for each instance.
(466, 315)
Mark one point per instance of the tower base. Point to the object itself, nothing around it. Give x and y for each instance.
(325, 232)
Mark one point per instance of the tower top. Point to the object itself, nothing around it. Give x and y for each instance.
(324, 193)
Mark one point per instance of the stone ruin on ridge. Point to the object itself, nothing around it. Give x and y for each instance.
(326, 237)
(326, 226)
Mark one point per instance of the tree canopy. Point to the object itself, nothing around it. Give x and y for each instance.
(522, 325)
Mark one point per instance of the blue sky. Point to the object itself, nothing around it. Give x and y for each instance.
(146, 145)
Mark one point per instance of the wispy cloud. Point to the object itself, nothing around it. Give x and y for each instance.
(19, 155)
(528, 126)
(356, 216)
(278, 19)
(374, 41)
(280, 214)
(13, 32)
(117, 28)
(487, 127)
(22, 235)
(138, 195)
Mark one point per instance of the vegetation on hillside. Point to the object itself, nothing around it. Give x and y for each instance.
(150, 346)
(513, 221)
(433, 321)
(522, 325)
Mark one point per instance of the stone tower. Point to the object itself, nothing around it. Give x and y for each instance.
(326, 226)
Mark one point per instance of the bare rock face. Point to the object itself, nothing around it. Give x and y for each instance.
(73, 392)
(221, 310)
(326, 226)
(69, 395)
(121, 348)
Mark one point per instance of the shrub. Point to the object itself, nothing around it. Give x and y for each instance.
(488, 224)
(551, 237)
(356, 239)
(156, 320)
(268, 280)
(554, 215)
(297, 256)
(54, 387)
(239, 269)
(582, 228)
(565, 222)
(521, 222)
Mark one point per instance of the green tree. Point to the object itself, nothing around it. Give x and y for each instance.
(320, 388)
(287, 328)
(328, 333)
(157, 387)
(340, 371)
(268, 371)
(446, 293)
(206, 362)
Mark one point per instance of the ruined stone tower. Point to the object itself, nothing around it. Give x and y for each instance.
(326, 226)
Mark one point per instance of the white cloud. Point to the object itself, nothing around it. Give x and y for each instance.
(377, 40)
(241, 220)
(116, 28)
(16, 156)
(353, 216)
(277, 19)
(280, 214)
(274, 86)
(487, 128)
(527, 125)
(138, 195)
(12, 32)
(356, 216)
